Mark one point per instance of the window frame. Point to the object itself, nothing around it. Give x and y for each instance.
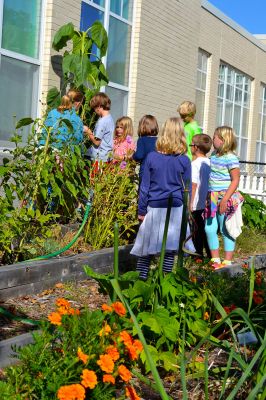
(199, 89)
(35, 104)
(240, 137)
(107, 14)
(259, 141)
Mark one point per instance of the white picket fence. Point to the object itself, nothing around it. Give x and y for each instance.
(254, 185)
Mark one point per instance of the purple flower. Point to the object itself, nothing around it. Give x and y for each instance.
(123, 165)
(129, 139)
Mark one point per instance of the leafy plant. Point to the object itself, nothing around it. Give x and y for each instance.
(115, 199)
(29, 207)
(254, 213)
(91, 354)
(81, 62)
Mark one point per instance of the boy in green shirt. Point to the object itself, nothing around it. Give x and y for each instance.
(187, 111)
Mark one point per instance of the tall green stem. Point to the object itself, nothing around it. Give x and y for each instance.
(183, 231)
(116, 271)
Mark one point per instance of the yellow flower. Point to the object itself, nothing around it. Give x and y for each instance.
(82, 356)
(105, 331)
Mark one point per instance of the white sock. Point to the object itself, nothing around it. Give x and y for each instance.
(216, 260)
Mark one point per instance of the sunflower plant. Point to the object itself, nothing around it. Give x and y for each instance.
(78, 356)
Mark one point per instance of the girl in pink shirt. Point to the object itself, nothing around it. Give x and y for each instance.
(124, 145)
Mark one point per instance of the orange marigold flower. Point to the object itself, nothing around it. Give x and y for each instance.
(126, 338)
(82, 356)
(124, 373)
(131, 393)
(138, 345)
(106, 363)
(108, 379)
(89, 379)
(133, 355)
(206, 315)
(193, 279)
(119, 308)
(107, 308)
(62, 310)
(113, 352)
(105, 331)
(62, 303)
(71, 392)
(55, 318)
(71, 311)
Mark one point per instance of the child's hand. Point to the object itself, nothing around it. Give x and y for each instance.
(223, 206)
(141, 217)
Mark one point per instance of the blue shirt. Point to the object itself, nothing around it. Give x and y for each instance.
(145, 145)
(60, 133)
(220, 178)
(104, 130)
(164, 174)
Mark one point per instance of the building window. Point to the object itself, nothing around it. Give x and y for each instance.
(202, 70)
(261, 135)
(19, 63)
(233, 104)
(116, 16)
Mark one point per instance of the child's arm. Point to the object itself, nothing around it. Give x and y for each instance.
(139, 154)
(235, 176)
(143, 193)
(193, 192)
(93, 139)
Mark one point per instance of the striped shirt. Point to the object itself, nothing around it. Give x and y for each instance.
(221, 166)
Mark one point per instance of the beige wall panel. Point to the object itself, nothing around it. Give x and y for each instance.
(164, 58)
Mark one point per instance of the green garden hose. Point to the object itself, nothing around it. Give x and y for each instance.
(8, 314)
(60, 251)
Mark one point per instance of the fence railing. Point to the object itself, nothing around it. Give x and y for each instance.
(253, 179)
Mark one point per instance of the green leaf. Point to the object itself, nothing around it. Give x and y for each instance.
(62, 36)
(67, 123)
(24, 122)
(99, 37)
(170, 361)
(53, 97)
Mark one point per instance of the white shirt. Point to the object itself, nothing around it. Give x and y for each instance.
(200, 175)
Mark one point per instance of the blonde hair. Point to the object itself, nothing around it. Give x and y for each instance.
(127, 125)
(171, 138)
(227, 135)
(66, 104)
(148, 126)
(187, 109)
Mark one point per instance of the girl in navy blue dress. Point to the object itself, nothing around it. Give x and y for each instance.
(165, 173)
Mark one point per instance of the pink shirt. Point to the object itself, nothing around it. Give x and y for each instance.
(121, 149)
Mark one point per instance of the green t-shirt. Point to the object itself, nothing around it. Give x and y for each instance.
(191, 129)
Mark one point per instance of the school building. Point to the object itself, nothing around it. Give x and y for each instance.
(160, 53)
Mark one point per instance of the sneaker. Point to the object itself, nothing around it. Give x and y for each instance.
(216, 266)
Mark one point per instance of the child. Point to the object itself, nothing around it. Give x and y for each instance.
(187, 111)
(223, 198)
(102, 137)
(200, 146)
(60, 133)
(124, 145)
(147, 131)
(165, 172)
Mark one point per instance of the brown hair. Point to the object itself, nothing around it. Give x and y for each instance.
(100, 100)
(171, 138)
(66, 104)
(187, 109)
(227, 135)
(127, 125)
(75, 95)
(148, 126)
(203, 142)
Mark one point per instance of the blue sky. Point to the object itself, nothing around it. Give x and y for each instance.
(250, 14)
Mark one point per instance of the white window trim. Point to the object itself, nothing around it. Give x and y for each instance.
(206, 85)
(242, 106)
(259, 141)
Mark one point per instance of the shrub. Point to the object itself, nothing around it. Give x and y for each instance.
(254, 213)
